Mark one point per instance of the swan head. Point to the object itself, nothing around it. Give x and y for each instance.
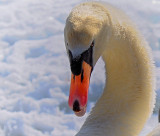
(84, 39)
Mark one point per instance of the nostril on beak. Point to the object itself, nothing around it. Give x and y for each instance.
(76, 106)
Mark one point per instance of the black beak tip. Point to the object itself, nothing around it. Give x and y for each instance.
(76, 106)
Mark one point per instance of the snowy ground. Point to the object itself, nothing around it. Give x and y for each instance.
(34, 69)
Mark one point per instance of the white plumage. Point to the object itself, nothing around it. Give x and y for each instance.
(129, 94)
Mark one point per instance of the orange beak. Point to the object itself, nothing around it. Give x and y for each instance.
(79, 90)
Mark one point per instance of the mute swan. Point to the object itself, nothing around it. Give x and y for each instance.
(95, 29)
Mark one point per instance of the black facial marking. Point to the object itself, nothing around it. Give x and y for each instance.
(70, 55)
(76, 63)
(76, 66)
(87, 56)
(82, 75)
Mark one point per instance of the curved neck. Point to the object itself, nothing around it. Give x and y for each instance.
(127, 100)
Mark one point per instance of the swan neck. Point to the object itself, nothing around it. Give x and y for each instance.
(128, 97)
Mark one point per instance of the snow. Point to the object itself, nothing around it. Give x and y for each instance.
(34, 68)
